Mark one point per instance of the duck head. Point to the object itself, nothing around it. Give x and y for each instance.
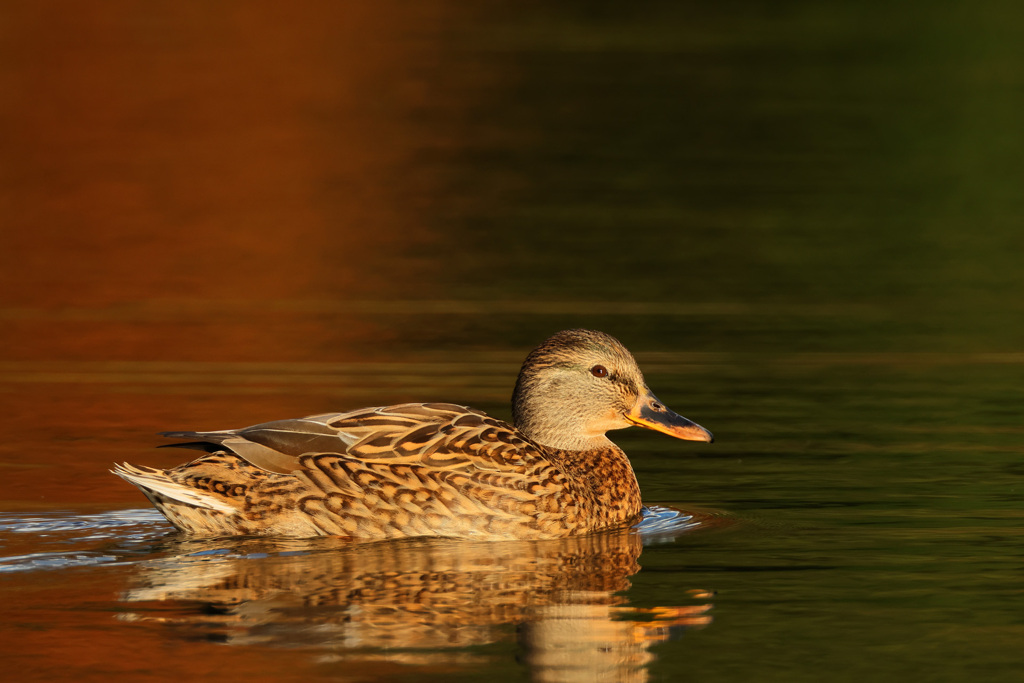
(579, 384)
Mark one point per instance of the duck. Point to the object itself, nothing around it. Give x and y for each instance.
(432, 469)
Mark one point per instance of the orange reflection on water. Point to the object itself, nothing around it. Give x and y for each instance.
(198, 155)
(415, 602)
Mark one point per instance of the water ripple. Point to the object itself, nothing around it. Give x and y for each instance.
(60, 521)
(21, 563)
(63, 540)
(663, 524)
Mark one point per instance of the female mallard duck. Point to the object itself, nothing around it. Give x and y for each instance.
(432, 469)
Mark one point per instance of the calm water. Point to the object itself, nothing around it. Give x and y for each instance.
(803, 217)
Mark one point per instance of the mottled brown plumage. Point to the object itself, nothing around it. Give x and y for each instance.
(432, 469)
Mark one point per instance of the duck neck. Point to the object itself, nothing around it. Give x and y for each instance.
(567, 428)
(604, 483)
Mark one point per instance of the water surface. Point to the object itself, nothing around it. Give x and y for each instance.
(804, 219)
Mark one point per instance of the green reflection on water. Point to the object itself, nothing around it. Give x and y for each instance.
(821, 177)
(857, 156)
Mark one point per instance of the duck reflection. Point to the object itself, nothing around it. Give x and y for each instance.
(418, 601)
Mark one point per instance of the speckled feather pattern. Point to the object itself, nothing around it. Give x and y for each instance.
(414, 470)
(427, 469)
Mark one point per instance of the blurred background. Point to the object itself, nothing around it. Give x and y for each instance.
(805, 218)
(239, 181)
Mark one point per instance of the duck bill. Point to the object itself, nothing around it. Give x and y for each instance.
(651, 413)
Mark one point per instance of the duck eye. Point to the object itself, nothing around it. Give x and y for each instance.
(599, 371)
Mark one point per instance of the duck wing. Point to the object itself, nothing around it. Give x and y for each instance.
(272, 446)
(417, 469)
(439, 436)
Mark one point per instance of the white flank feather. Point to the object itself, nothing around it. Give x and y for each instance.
(156, 482)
